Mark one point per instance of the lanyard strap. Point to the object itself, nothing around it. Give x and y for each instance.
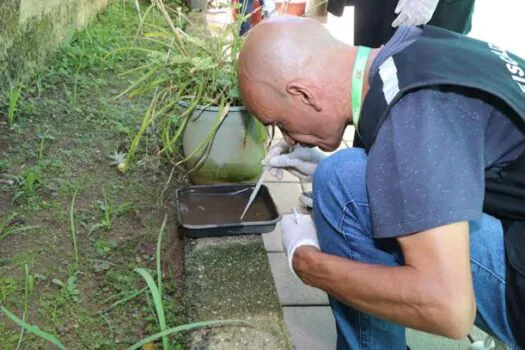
(358, 75)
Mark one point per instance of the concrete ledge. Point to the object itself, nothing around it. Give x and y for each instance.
(230, 278)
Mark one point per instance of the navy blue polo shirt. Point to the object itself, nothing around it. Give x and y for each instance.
(426, 166)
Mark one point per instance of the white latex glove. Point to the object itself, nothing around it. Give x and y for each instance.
(414, 12)
(297, 230)
(301, 162)
(277, 149)
(488, 343)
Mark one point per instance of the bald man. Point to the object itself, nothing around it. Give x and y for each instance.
(423, 226)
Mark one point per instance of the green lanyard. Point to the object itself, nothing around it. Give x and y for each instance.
(358, 75)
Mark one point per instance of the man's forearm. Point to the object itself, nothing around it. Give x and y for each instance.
(400, 294)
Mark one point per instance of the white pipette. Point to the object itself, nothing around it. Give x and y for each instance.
(254, 193)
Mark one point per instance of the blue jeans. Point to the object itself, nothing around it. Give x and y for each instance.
(342, 218)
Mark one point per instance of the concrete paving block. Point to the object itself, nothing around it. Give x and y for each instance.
(290, 289)
(311, 327)
(272, 241)
(285, 195)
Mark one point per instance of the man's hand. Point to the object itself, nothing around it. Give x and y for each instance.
(301, 162)
(414, 12)
(297, 230)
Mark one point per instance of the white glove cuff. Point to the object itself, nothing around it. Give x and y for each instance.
(300, 244)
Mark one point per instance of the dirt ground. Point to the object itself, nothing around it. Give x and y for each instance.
(58, 186)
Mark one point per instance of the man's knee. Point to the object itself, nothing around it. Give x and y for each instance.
(341, 169)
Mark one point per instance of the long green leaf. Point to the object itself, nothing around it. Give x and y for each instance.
(188, 327)
(157, 300)
(185, 116)
(137, 82)
(159, 246)
(5, 223)
(223, 112)
(72, 224)
(17, 230)
(33, 329)
(127, 298)
(148, 118)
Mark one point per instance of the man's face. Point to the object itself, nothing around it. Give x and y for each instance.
(299, 122)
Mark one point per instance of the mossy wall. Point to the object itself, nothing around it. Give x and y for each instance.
(32, 29)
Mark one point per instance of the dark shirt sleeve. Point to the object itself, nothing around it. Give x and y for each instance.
(426, 167)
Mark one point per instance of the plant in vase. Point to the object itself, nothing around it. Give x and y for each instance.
(192, 77)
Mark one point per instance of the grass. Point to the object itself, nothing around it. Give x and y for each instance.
(13, 97)
(73, 229)
(33, 329)
(28, 183)
(29, 283)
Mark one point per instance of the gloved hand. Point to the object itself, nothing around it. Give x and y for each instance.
(297, 230)
(414, 12)
(301, 162)
(277, 149)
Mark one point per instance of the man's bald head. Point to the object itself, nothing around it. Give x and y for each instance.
(281, 45)
(289, 75)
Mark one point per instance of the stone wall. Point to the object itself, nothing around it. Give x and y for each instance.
(32, 29)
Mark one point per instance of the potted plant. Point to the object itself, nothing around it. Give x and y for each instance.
(192, 77)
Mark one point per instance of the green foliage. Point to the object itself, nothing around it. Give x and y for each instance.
(28, 183)
(184, 70)
(69, 288)
(4, 164)
(8, 286)
(155, 290)
(33, 329)
(13, 96)
(29, 285)
(73, 228)
(43, 136)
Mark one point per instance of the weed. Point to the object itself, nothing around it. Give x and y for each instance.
(8, 286)
(29, 283)
(72, 226)
(110, 212)
(9, 226)
(4, 164)
(28, 183)
(13, 96)
(69, 288)
(119, 159)
(106, 208)
(32, 329)
(5, 224)
(43, 137)
(103, 247)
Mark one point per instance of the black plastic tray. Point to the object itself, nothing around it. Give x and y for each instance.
(203, 211)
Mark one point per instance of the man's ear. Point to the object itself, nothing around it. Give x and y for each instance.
(305, 93)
